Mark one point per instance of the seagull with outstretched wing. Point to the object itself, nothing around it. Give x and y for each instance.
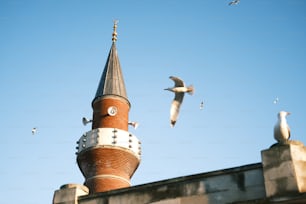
(234, 2)
(179, 90)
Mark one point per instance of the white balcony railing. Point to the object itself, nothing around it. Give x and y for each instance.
(109, 137)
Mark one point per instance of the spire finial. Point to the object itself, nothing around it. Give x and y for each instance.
(114, 38)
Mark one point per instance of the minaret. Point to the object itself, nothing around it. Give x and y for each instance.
(108, 155)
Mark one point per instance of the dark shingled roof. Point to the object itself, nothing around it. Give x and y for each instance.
(111, 82)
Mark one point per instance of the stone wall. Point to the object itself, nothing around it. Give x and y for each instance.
(225, 186)
(284, 168)
(280, 178)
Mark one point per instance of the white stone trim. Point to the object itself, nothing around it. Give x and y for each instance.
(109, 137)
(110, 176)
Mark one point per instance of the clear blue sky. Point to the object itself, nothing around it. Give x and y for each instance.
(239, 59)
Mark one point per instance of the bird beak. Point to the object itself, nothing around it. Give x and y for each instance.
(288, 113)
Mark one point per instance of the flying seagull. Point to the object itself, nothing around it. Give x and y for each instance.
(234, 2)
(179, 90)
(34, 130)
(276, 100)
(281, 128)
(201, 105)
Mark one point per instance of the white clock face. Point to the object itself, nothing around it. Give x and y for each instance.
(112, 111)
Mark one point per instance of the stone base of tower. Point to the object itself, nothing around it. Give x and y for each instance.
(107, 168)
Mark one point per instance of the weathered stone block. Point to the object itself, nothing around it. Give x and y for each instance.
(69, 193)
(284, 168)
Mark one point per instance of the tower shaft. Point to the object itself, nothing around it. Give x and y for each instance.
(101, 117)
(108, 155)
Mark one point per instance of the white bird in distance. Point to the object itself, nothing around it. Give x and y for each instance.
(134, 124)
(202, 105)
(85, 121)
(281, 128)
(179, 90)
(234, 2)
(34, 130)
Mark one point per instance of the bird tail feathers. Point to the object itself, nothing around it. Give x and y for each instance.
(190, 89)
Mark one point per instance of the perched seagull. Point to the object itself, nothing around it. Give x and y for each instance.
(201, 105)
(179, 89)
(234, 2)
(34, 130)
(281, 128)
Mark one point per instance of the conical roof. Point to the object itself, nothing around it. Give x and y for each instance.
(111, 82)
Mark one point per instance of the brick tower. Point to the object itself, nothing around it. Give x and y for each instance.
(108, 155)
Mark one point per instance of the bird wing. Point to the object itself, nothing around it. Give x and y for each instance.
(175, 108)
(233, 2)
(177, 81)
(289, 132)
(277, 131)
